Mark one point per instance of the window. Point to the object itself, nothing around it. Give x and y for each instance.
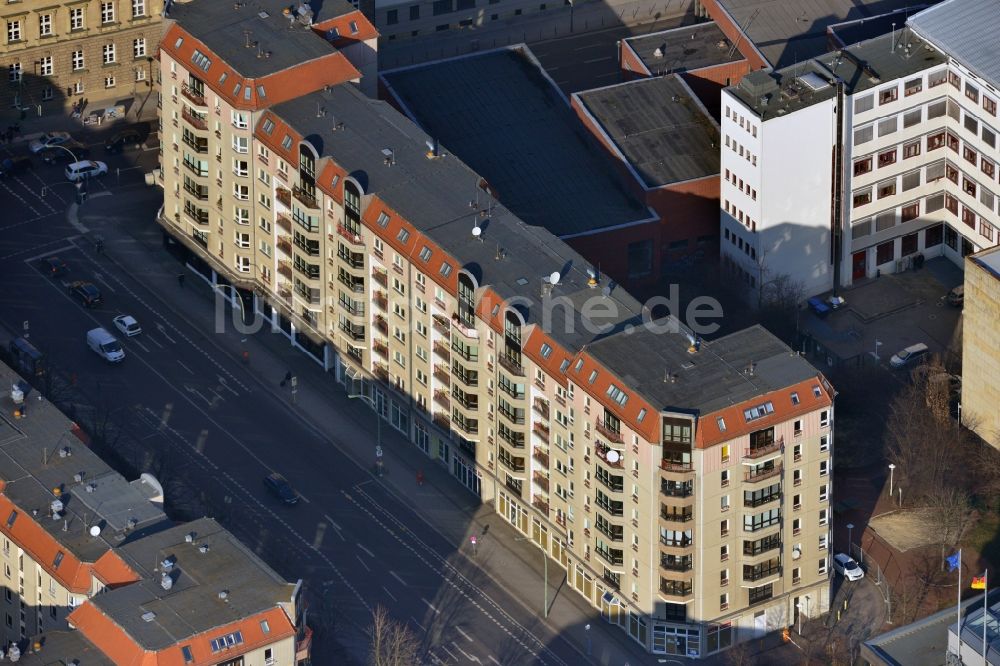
(990, 105)
(864, 134)
(45, 25)
(824, 418)
(886, 188)
(392, 17)
(268, 126)
(724, 478)
(970, 155)
(139, 47)
(138, 8)
(971, 124)
(989, 137)
(824, 493)
(617, 395)
(77, 60)
(911, 179)
(888, 95)
(724, 503)
(14, 73)
(911, 150)
(403, 236)
(910, 212)
(759, 411)
(911, 118)
(972, 92)
(425, 253)
(913, 86)
(13, 31)
(955, 80)
(822, 567)
(108, 51)
(887, 126)
(286, 143)
(824, 516)
(886, 158)
(445, 269)
(969, 187)
(935, 141)
(861, 229)
(76, 18)
(107, 12)
(187, 654)
(865, 103)
(241, 144)
(109, 82)
(987, 167)
(824, 467)
(937, 78)
(721, 422)
(863, 166)
(724, 528)
(414, 12)
(862, 197)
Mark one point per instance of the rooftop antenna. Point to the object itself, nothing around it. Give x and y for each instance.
(892, 48)
(246, 38)
(320, 111)
(389, 156)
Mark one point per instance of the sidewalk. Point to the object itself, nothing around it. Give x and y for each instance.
(448, 507)
(34, 126)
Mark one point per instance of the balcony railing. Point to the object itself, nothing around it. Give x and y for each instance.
(442, 420)
(671, 466)
(356, 286)
(542, 431)
(441, 398)
(284, 197)
(761, 451)
(381, 371)
(512, 365)
(380, 348)
(614, 557)
(753, 574)
(541, 481)
(194, 120)
(441, 374)
(196, 168)
(616, 509)
(611, 457)
(541, 456)
(351, 331)
(761, 546)
(515, 465)
(284, 223)
(753, 476)
(442, 351)
(350, 236)
(676, 590)
(759, 501)
(381, 324)
(195, 96)
(676, 516)
(307, 199)
(441, 325)
(381, 277)
(685, 542)
(467, 331)
(515, 439)
(515, 485)
(676, 564)
(612, 435)
(541, 408)
(285, 269)
(672, 490)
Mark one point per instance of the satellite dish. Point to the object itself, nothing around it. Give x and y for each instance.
(613, 456)
(95, 530)
(477, 232)
(606, 291)
(796, 553)
(554, 278)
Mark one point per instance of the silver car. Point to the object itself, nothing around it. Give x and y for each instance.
(48, 140)
(846, 566)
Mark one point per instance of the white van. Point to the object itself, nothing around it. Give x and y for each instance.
(105, 345)
(78, 171)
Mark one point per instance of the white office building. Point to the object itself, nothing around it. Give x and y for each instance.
(907, 171)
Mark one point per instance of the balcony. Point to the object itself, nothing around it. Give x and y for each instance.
(612, 556)
(671, 563)
(760, 572)
(198, 144)
(354, 333)
(196, 120)
(354, 260)
(350, 236)
(355, 285)
(468, 402)
(303, 645)
(380, 300)
(674, 489)
(516, 416)
(611, 457)
(515, 465)
(441, 325)
(541, 481)
(195, 168)
(613, 509)
(541, 408)
(755, 501)
(612, 435)
(678, 470)
(759, 547)
(284, 197)
(284, 244)
(515, 439)
(682, 543)
(381, 324)
(761, 451)
(515, 485)
(755, 476)
(673, 516)
(676, 590)
(380, 348)
(284, 223)
(467, 331)
(541, 456)
(441, 398)
(441, 374)
(381, 371)
(381, 277)
(197, 215)
(285, 269)
(542, 431)
(306, 198)
(196, 97)
(442, 351)
(511, 365)
(442, 421)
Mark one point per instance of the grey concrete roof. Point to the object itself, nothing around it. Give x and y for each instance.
(39, 453)
(65, 648)
(500, 114)
(684, 49)
(192, 605)
(658, 366)
(224, 26)
(967, 31)
(989, 259)
(772, 94)
(863, 29)
(786, 32)
(660, 128)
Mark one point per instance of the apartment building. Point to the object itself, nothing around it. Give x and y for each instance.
(906, 172)
(683, 484)
(92, 560)
(57, 54)
(980, 363)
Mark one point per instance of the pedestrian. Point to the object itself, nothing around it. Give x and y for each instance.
(180, 280)
(420, 477)
(288, 378)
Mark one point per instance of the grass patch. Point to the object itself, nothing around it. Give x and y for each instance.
(984, 537)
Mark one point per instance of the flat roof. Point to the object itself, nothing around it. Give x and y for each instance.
(660, 128)
(39, 453)
(863, 29)
(864, 66)
(65, 648)
(989, 259)
(227, 27)
(787, 32)
(967, 31)
(502, 116)
(193, 604)
(684, 49)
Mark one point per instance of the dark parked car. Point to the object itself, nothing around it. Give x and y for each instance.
(58, 155)
(53, 266)
(278, 486)
(125, 140)
(14, 166)
(86, 293)
(956, 297)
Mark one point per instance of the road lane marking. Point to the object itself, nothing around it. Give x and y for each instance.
(318, 539)
(39, 247)
(414, 621)
(43, 255)
(448, 652)
(223, 384)
(191, 389)
(163, 331)
(141, 346)
(493, 659)
(430, 605)
(335, 526)
(396, 576)
(465, 635)
(369, 553)
(468, 656)
(154, 341)
(593, 60)
(367, 568)
(391, 595)
(588, 46)
(100, 278)
(184, 366)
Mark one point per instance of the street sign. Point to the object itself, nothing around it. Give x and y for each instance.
(295, 381)
(378, 451)
(26, 324)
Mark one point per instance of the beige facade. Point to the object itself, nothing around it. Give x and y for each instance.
(57, 54)
(980, 359)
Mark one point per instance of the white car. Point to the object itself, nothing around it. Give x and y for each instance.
(127, 325)
(48, 140)
(847, 567)
(78, 171)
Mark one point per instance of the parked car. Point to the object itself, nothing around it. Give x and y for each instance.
(78, 171)
(846, 566)
(956, 297)
(910, 355)
(53, 266)
(74, 149)
(124, 140)
(47, 140)
(15, 166)
(127, 325)
(278, 486)
(85, 292)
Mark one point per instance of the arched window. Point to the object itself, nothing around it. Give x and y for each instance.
(466, 300)
(352, 207)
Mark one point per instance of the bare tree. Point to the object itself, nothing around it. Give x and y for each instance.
(951, 507)
(392, 643)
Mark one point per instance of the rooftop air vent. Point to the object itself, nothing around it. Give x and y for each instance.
(148, 616)
(223, 594)
(189, 537)
(166, 582)
(658, 53)
(167, 564)
(263, 14)
(78, 477)
(388, 156)
(131, 523)
(203, 548)
(90, 487)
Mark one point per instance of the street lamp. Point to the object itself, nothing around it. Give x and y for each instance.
(545, 586)
(590, 645)
(875, 353)
(850, 539)
(570, 15)
(892, 467)
(378, 430)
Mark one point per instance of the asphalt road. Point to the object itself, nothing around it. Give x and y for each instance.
(207, 421)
